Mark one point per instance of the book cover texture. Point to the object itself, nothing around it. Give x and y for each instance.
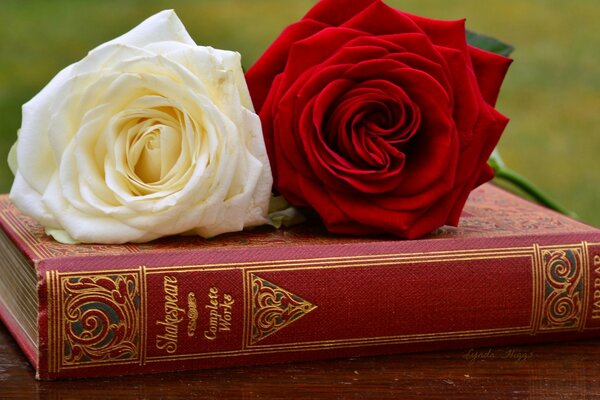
(511, 273)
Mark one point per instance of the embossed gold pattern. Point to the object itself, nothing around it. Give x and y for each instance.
(274, 308)
(539, 256)
(100, 319)
(563, 288)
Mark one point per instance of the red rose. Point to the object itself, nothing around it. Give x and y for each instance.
(380, 120)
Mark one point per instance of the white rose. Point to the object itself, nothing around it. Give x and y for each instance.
(149, 135)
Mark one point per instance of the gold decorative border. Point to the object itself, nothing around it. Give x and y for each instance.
(273, 308)
(535, 253)
(96, 318)
(561, 282)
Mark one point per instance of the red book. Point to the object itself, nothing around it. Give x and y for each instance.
(512, 273)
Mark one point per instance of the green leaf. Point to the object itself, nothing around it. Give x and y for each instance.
(489, 43)
(282, 213)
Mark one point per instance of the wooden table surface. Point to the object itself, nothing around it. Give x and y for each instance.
(555, 371)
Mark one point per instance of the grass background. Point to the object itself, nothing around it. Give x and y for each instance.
(552, 93)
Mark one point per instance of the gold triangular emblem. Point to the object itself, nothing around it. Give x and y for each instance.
(274, 308)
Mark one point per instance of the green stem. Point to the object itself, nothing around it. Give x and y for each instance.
(530, 189)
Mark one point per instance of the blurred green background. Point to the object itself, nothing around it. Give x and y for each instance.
(552, 93)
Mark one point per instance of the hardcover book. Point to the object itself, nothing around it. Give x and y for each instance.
(511, 273)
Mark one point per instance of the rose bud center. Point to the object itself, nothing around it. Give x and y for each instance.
(154, 147)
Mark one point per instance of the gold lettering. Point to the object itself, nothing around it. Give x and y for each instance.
(596, 310)
(173, 316)
(596, 307)
(220, 313)
(596, 304)
(163, 343)
(170, 285)
(211, 333)
(226, 306)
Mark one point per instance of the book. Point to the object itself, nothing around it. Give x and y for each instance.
(511, 273)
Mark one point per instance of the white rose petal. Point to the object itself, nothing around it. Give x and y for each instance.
(149, 135)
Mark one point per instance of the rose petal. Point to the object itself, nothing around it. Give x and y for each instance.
(164, 26)
(450, 34)
(274, 59)
(336, 12)
(380, 19)
(490, 70)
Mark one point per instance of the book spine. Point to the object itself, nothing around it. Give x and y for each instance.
(152, 318)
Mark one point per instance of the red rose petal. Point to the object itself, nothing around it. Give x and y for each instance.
(310, 52)
(466, 96)
(380, 19)
(274, 59)
(383, 122)
(336, 12)
(490, 70)
(442, 33)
